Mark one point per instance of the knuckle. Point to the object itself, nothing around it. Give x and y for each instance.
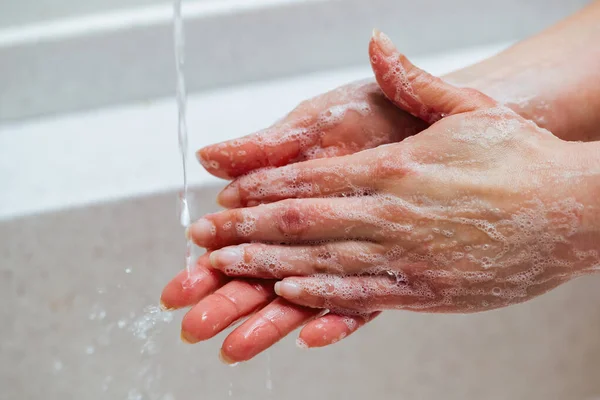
(299, 180)
(250, 186)
(391, 163)
(325, 258)
(244, 222)
(291, 219)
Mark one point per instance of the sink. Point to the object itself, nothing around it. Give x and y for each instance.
(89, 235)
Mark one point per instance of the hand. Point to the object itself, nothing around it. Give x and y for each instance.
(346, 120)
(480, 211)
(349, 119)
(218, 302)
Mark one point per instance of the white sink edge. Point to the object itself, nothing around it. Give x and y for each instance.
(124, 56)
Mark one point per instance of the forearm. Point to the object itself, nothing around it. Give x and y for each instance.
(552, 78)
(582, 185)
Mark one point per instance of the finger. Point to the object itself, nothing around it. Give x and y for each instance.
(416, 91)
(268, 148)
(183, 290)
(259, 260)
(343, 121)
(294, 221)
(264, 329)
(331, 328)
(229, 304)
(349, 175)
(356, 293)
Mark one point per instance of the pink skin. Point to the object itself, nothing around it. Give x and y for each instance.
(356, 131)
(450, 220)
(346, 120)
(218, 302)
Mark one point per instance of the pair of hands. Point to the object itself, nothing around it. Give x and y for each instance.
(480, 210)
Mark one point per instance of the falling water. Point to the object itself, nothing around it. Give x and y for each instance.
(269, 382)
(179, 41)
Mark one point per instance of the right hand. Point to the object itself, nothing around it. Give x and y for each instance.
(349, 119)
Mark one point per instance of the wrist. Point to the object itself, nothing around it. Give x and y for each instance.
(583, 186)
(565, 109)
(552, 78)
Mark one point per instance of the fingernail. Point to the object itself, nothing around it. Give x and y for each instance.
(226, 360)
(164, 307)
(187, 338)
(202, 231)
(385, 43)
(226, 257)
(287, 289)
(229, 197)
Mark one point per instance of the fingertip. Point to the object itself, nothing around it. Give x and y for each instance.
(226, 257)
(383, 43)
(164, 306)
(197, 325)
(288, 289)
(229, 197)
(204, 157)
(186, 289)
(212, 258)
(187, 338)
(294, 290)
(238, 348)
(172, 296)
(320, 333)
(202, 232)
(225, 359)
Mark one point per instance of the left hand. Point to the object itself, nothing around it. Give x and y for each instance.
(218, 301)
(480, 211)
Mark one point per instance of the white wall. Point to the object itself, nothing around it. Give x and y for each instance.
(128, 56)
(19, 12)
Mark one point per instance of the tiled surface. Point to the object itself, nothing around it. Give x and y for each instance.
(59, 272)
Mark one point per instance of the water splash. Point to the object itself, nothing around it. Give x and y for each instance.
(143, 327)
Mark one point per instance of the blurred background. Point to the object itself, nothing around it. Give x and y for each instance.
(89, 170)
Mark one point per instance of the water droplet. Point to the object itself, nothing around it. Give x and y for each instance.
(269, 382)
(58, 365)
(134, 394)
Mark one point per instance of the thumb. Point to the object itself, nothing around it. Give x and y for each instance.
(416, 91)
